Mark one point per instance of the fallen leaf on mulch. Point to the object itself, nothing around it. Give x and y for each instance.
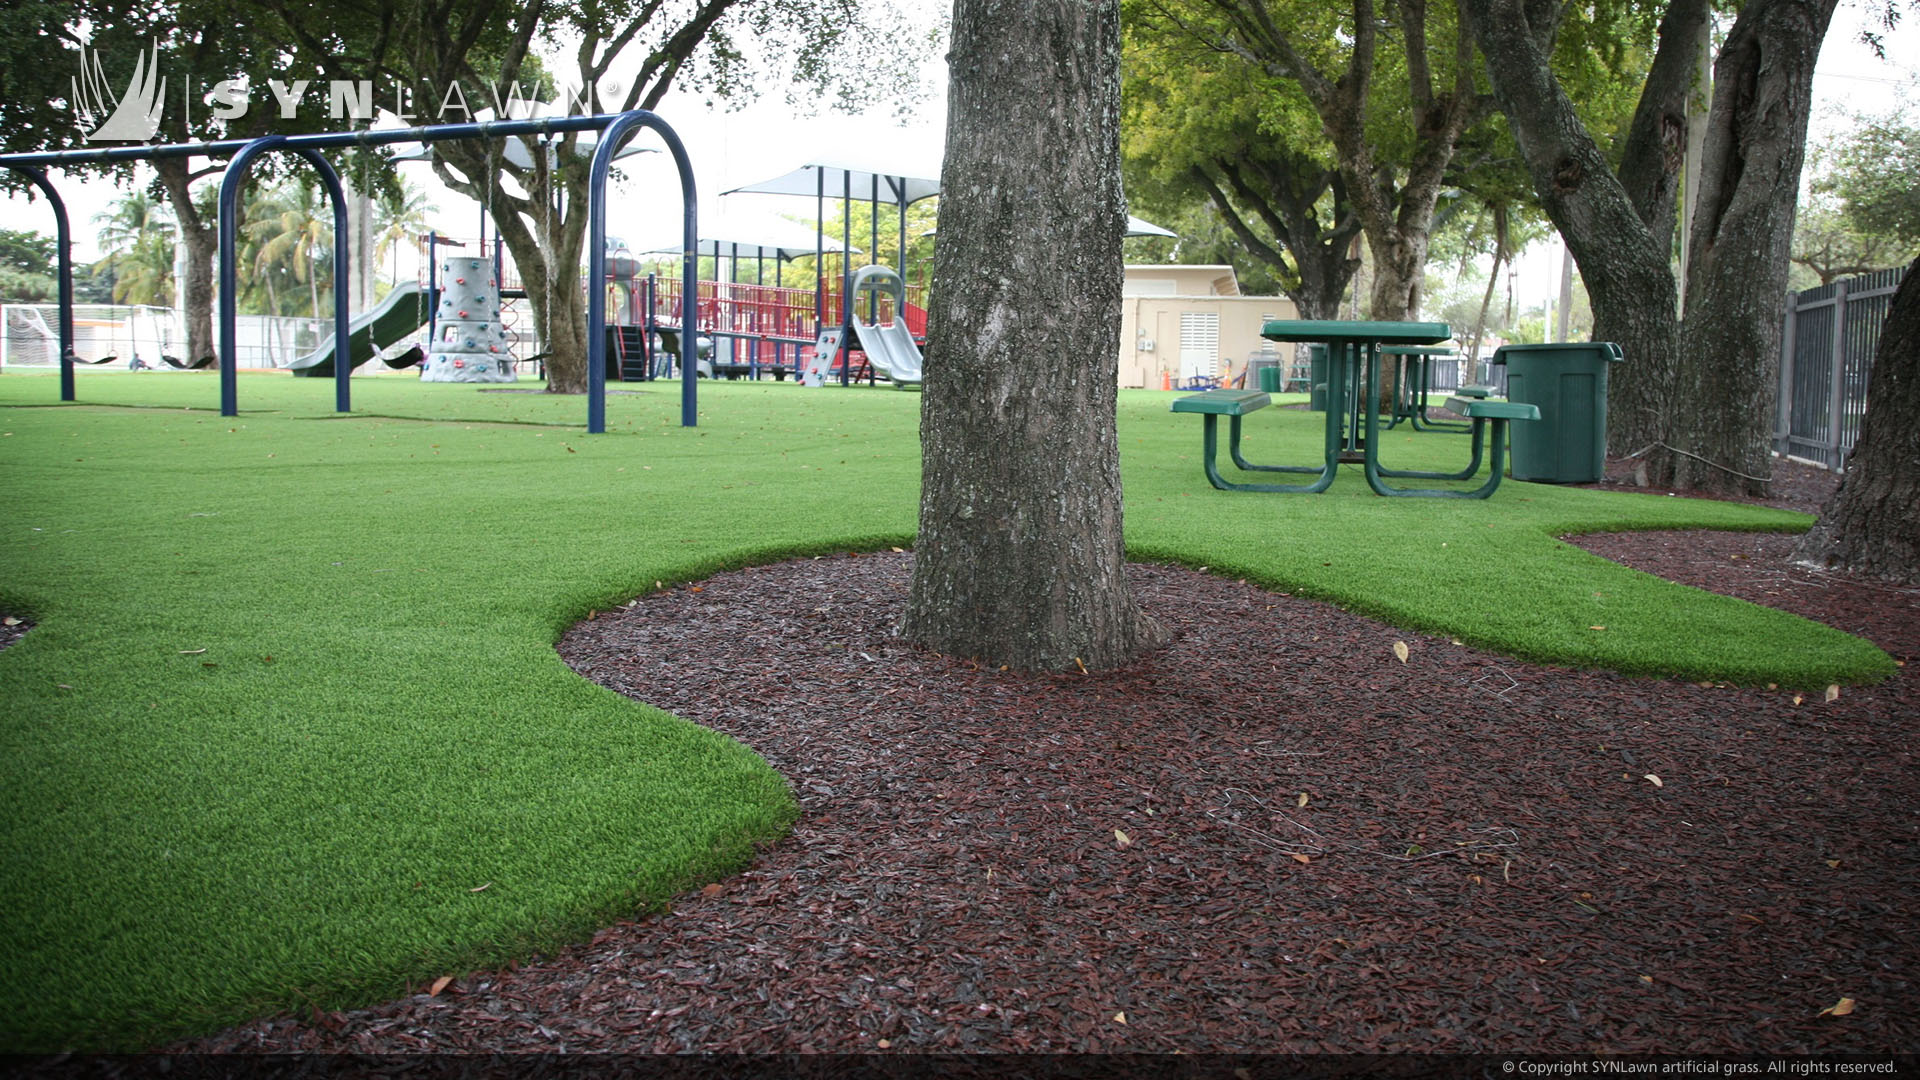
(439, 984)
(1400, 651)
(1843, 1007)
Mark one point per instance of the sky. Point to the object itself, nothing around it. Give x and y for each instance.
(732, 148)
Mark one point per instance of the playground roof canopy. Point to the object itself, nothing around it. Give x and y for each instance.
(855, 176)
(756, 236)
(1143, 227)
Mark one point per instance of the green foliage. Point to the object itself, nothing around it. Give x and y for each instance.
(923, 217)
(289, 228)
(27, 252)
(282, 719)
(1876, 175)
(27, 271)
(1861, 211)
(136, 238)
(399, 219)
(1236, 160)
(37, 63)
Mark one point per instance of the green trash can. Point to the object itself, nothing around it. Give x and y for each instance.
(1568, 383)
(1268, 373)
(1317, 378)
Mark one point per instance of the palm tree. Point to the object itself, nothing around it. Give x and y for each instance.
(137, 237)
(293, 228)
(398, 219)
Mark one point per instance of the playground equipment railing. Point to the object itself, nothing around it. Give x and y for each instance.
(614, 129)
(783, 312)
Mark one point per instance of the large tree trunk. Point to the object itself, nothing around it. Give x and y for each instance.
(1699, 406)
(1625, 264)
(1741, 242)
(1019, 560)
(1872, 525)
(203, 246)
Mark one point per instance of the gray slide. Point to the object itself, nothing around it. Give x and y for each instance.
(890, 349)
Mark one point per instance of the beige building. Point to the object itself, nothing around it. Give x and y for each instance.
(1181, 321)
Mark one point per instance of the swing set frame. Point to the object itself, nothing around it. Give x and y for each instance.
(615, 129)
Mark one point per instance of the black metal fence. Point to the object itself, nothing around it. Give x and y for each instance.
(1826, 351)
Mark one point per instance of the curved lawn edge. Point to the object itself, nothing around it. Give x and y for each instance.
(191, 943)
(1610, 618)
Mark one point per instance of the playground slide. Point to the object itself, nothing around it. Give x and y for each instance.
(891, 351)
(401, 313)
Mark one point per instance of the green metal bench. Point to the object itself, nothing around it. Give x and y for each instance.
(1235, 404)
(1482, 414)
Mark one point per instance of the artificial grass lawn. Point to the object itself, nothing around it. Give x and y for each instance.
(291, 731)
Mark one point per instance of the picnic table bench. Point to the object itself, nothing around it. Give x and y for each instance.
(1482, 414)
(1232, 404)
(1357, 344)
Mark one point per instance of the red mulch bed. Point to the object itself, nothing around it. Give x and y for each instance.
(1270, 836)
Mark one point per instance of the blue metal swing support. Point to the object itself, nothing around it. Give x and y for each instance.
(614, 129)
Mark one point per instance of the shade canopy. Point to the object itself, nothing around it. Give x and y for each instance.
(754, 236)
(866, 178)
(1142, 227)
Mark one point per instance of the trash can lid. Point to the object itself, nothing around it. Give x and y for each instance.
(1608, 349)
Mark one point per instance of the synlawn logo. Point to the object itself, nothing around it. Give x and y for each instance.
(132, 116)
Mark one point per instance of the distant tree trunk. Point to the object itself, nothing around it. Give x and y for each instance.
(1872, 524)
(1500, 234)
(1283, 191)
(1019, 559)
(203, 244)
(1741, 242)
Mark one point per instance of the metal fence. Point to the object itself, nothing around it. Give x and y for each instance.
(124, 331)
(1826, 351)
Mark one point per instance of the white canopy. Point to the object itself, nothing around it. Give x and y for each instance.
(863, 177)
(753, 236)
(1142, 227)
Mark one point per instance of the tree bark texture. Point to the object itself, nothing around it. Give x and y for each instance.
(1741, 243)
(1019, 559)
(1872, 525)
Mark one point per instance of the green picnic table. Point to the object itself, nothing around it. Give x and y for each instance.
(1352, 425)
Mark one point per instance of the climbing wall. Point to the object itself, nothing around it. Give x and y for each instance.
(469, 343)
